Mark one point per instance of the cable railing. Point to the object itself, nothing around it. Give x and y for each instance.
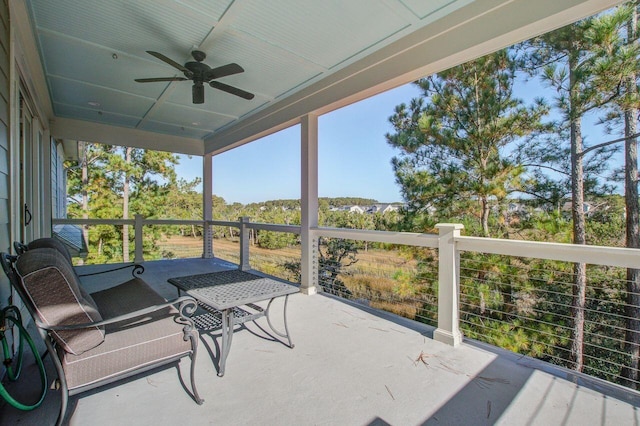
(526, 304)
(275, 249)
(513, 294)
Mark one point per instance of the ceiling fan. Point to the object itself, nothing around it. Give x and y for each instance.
(201, 73)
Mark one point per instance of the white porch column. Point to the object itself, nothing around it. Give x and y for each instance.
(207, 206)
(448, 330)
(48, 188)
(309, 203)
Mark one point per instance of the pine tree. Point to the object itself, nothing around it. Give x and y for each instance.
(453, 140)
(620, 52)
(572, 63)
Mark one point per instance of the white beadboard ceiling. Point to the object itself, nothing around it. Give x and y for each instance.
(92, 50)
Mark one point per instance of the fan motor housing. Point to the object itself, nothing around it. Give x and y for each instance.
(198, 69)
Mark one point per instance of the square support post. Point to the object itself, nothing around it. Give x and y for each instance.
(48, 185)
(309, 203)
(448, 330)
(207, 206)
(244, 244)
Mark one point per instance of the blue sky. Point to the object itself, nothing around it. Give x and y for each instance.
(354, 157)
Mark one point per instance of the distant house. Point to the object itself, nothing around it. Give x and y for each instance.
(587, 207)
(515, 207)
(383, 208)
(375, 208)
(354, 209)
(351, 209)
(518, 209)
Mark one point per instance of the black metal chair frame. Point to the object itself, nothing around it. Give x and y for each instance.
(186, 306)
(137, 270)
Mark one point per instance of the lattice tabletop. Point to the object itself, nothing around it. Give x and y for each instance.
(228, 289)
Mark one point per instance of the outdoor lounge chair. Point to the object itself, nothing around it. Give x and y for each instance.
(50, 242)
(100, 338)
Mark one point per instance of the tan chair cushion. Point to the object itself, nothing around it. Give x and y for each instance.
(55, 291)
(132, 344)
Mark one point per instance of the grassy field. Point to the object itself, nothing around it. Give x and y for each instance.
(381, 263)
(379, 277)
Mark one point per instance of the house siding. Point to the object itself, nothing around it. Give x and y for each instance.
(5, 181)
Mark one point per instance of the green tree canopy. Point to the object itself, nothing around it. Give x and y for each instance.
(454, 139)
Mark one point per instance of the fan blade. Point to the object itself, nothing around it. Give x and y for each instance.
(171, 62)
(233, 90)
(150, 80)
(223, 71)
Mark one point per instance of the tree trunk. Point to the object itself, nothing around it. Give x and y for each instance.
(485, 217)
(84, 165)
(632, 310)
(578, 300)
(125, 206)
(580, 269)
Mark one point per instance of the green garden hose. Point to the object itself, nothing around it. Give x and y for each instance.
(12, 314)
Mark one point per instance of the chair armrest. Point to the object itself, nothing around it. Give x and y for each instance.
(137, 270)
(186, 306)
(19, 247)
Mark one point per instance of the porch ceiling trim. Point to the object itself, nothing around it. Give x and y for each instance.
(65, 128)
(470, 32)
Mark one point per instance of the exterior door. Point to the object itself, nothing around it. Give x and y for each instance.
(28, 172)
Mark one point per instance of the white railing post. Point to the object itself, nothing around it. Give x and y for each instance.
(207, 235)
(138, 230)
(207, 204)
(244, 244)
(448, 330)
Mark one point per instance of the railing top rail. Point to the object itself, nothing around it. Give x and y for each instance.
(595, 255)
(93, 221)
(294, 229)
(127, 222)
(403, 238)
(173, 222)
(223, 223)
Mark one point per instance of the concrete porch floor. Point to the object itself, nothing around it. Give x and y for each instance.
(350, 366)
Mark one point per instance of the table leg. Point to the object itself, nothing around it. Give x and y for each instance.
(286, 328)
(227, 336)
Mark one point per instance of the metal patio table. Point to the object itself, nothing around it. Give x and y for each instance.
(223, 294)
